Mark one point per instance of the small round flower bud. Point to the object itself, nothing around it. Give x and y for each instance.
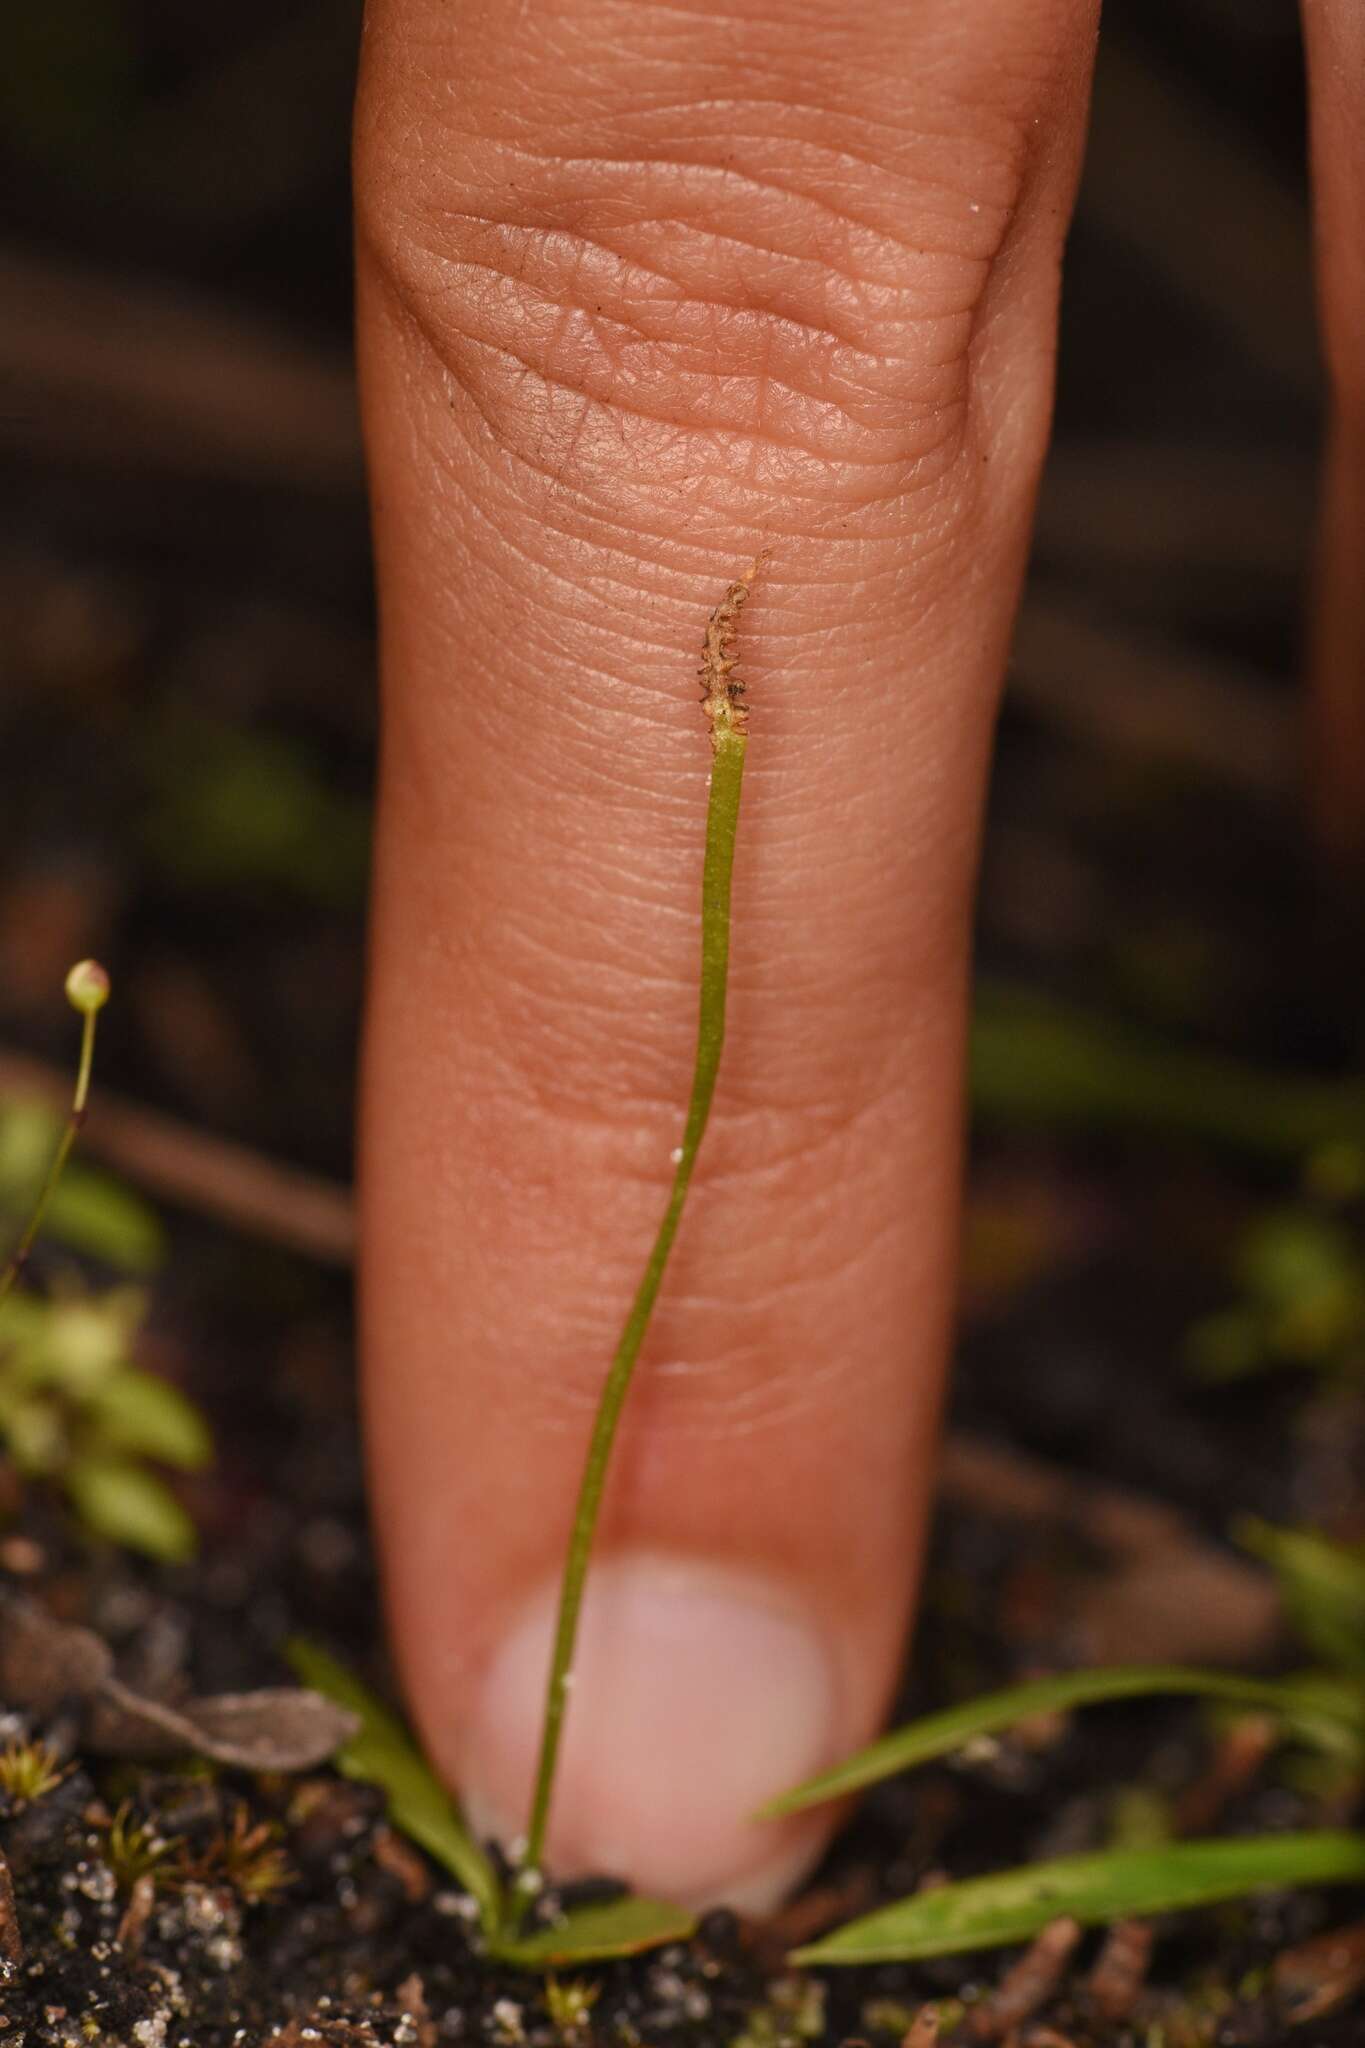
(87, 987)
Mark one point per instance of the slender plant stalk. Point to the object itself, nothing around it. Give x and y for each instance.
(725, 709)
(87, 990)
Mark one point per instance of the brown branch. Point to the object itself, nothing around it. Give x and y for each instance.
(302, 1211)
(1168, 1594)
(98, 368)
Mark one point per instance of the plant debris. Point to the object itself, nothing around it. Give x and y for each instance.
(46, 1664)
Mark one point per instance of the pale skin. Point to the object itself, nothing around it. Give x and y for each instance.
(646, 290)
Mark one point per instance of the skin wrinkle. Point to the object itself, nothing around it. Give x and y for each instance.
(816, 588)
(531, 974)
(576, 495)
(642, 1068)
(778, 489)
(762, 1384)
(573, 252)
(713, 166)
(412, 277)
(669, 867)
(995, 122)
(784, 432)
(971, 214)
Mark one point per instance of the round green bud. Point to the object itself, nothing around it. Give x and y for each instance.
(87, 987)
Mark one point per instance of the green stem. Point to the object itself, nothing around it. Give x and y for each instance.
(18, 1258)
(721, 820)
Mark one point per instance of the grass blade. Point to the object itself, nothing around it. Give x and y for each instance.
(1332, 1713)
(384, 1754)
(991, 1912)
(597, 1934)
(725, 710)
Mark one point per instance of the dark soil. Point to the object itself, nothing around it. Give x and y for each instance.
(199, 1906)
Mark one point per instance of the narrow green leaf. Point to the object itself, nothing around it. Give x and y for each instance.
(596, 1934)
(1014, 1905)
(97, 1215)
(138, 1411)
(126, 1504)
(33, 1433)
(724, 708)
(1307, 1707)
(384, 1754)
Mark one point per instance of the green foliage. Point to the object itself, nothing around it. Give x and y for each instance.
(1323, 1586)
(74, 1408)
(232, 808)
(29, 1771)
(1014, 1905)
(127, 1505)
(569, 2005)
(598, 1934)
(134, 1849)
(1300, 1277)
(729, 742)
(77, 1412)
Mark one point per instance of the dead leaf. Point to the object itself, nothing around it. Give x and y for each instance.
(46, 1664)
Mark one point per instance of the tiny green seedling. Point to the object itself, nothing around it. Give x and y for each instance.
(382, 1753)
(723, 704)
(29, 1771)
(87, 991)
(74, 1410)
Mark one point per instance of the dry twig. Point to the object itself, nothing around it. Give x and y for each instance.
(11, 1941)
(1028, 1984)
(1113, 1985)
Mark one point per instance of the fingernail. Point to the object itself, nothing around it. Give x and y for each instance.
(697, 1694)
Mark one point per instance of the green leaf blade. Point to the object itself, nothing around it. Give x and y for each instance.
(127, 1505)
(940, 1734)
(599, 1934)
(1013, 1905)
(384, 1754)
(139, 1412)
(729, 744)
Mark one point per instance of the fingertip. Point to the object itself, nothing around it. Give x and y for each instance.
(698, 1694)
